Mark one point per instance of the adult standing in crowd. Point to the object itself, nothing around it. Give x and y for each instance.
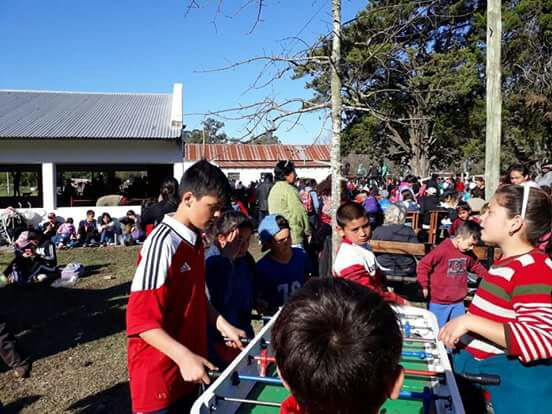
(167, 203)
(284, 200)
(263, 190)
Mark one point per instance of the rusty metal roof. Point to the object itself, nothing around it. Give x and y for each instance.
(260, 156)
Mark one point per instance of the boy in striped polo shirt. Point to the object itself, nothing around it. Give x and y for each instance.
(508, 328)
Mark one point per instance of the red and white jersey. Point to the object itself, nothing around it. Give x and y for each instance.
(167, 292)
(518, 294)
(358, 264)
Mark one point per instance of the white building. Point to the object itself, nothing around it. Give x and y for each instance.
(250, 162)
(51, 139)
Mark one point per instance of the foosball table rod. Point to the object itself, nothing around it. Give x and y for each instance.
(236, 378)
(411, 354)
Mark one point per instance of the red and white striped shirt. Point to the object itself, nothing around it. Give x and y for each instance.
(358, 264)
(517, 293)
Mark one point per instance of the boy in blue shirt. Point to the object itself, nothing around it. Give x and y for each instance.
(284, 269)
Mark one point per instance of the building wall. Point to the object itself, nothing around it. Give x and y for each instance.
(254, 174)
(89, 152)
(50, 153)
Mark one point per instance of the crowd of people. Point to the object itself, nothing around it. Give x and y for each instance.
(195, 274)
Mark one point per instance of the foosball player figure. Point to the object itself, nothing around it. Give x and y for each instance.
(337, 346)
(355, 260)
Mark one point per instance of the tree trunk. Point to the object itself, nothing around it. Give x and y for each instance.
(336, 122)
(419, 142)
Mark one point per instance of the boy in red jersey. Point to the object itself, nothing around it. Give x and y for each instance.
(168, 310)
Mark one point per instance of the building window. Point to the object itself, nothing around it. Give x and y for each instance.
(20, 186)
(93, 185)
(233, 176)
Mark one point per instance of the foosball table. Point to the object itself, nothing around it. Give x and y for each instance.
(250, 384)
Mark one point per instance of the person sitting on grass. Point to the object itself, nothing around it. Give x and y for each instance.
(34, 261)
(229, 273)
(337, 346)
(283, 270)
(443, 273)
(106, 228)
(66, 234)
(355, 261)
(132, 232)
(88, 231)
(50, 227)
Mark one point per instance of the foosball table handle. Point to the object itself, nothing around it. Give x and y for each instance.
(213, 374)
(483, 379)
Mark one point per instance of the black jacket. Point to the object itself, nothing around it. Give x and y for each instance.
(398, 264)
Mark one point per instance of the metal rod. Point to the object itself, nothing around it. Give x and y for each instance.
(245, 401)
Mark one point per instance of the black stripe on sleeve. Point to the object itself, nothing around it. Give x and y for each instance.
(149, 257)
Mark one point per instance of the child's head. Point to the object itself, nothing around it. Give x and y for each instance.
(69, 220)
(274, 234)
(395, 214)
(337, 345)
(518, 174)
(106, 218)
(204, 190)
(520, 212)
(463, 210)
(226, 224)
(90, 215)
(352, 223)
(467, 235)
(52, 217)
(130, 214)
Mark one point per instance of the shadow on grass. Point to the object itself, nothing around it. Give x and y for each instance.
(47, 321)
(16, 406)
(94, 269)
(113, 400)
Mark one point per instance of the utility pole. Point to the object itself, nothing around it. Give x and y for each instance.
(336, 121)
(494, 97)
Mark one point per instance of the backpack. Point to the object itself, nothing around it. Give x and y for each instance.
(72, 271)
(306, 199)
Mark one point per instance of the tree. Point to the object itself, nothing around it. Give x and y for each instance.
(407, 68)
(211, 133)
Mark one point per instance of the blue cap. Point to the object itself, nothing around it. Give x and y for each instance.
(268, 228)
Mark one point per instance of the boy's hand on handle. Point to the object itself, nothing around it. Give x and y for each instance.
(453, 330)
(232, 333)
(195, 368)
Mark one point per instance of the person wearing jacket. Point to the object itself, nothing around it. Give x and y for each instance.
(284, 200)
(263, 190)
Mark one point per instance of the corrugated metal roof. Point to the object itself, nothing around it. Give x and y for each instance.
(44, 114)
(260, 156)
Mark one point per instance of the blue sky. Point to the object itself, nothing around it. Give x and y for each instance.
(146, 45)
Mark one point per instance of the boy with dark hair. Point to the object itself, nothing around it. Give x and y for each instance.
(463, 211)
(87, 233)
(350, 346)
(167, 312)
(443, 273)
(355, 261)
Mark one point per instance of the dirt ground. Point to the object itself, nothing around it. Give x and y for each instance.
(74, 335)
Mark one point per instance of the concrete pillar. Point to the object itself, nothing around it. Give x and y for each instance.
(178, 170)
(48, 186)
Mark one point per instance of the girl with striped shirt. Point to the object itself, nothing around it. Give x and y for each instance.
(508, 328)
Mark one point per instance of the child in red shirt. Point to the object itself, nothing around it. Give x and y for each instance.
(443, 273)
(350, 346)
(463, 211)
(167, 311)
